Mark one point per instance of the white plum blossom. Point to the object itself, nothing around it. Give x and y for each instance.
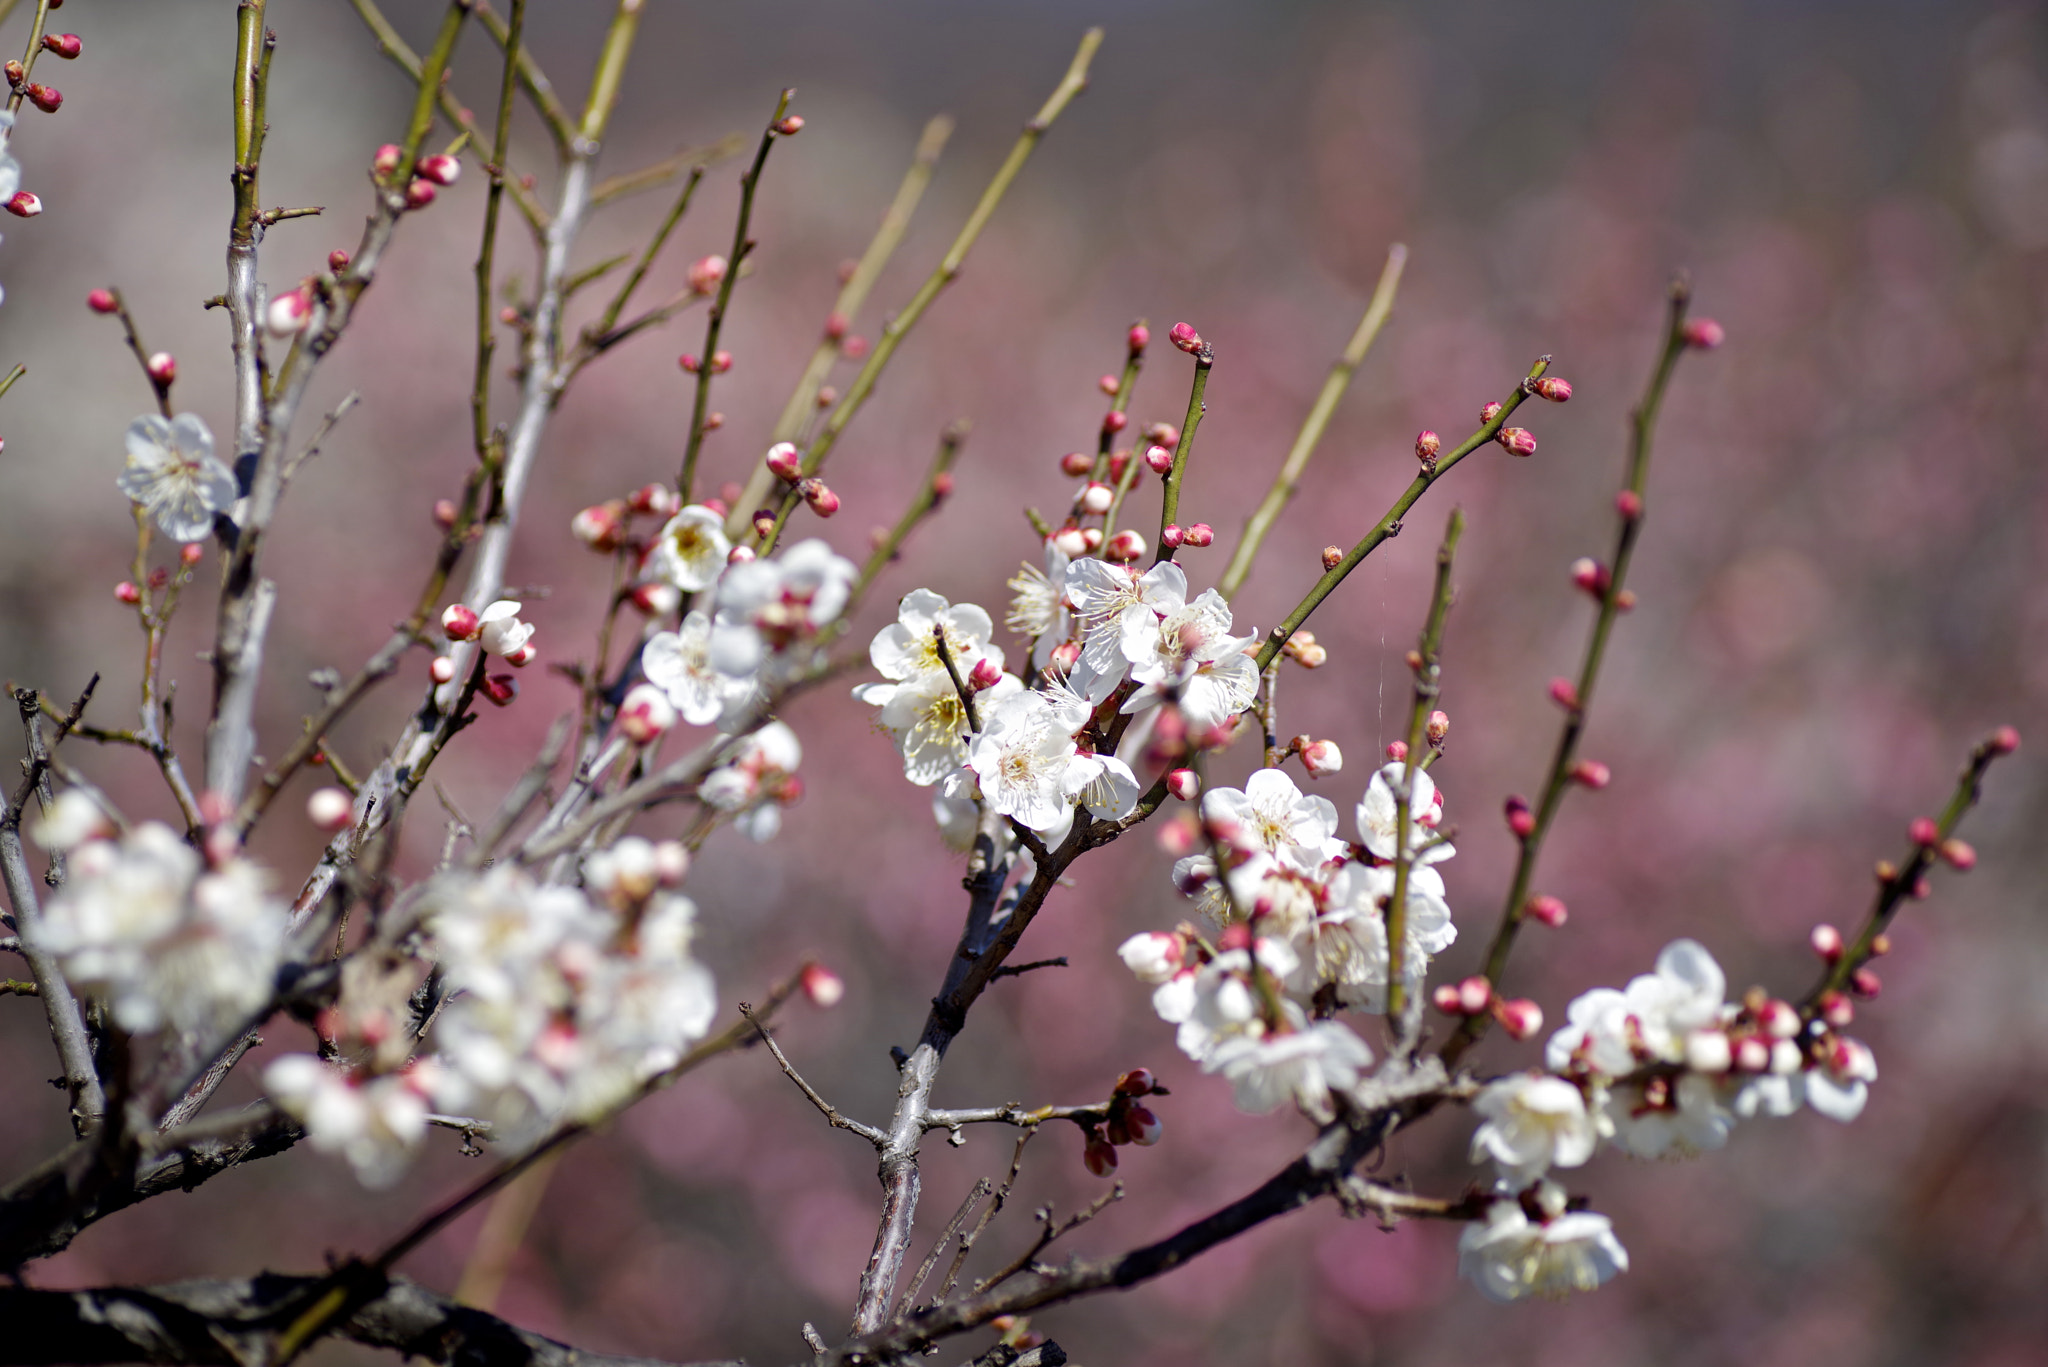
(168, 942)
(757, 780)
(1027, 763)
(500, 631)
(1378, 815)
(1306, 1064)
(920, 705)
(376, 1123)
(1667, 1116)
(957, 818)
(766, 608)
(679, 664)
(1153, 957)
(908, 648)
(1841, 1084)
(1221, 999)
(1533, 1123)
(1271, 814)
(1040, 612)
(1509, 1256)
(1116, 605)
(1612, 1032)
(690, 551)
(173, 473)
(74, 818)
(1189, 655)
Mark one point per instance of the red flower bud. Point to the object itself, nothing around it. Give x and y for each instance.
(1171, 536)
(330, 809)
(459, 622)
(1590, 575)
(1704, 334)
(44, 97)
(721, 361)
(822, 500)
(1865, 983)
(1197, 534)
(1521, 820)
(102, 301)
(15, 74)
(1836, 1009)
(1554, 389)
(23, 205)
(337, 261)
(1098, 1156)
(1488, 411)
(1565, 694)
(162, 367)
(1126, 545)
(1591, 773)
(1183, 784)
(1427, 444)
(1445, 998)
(127, 593)
(1158, 459)
(985, 674)
(1186, 338)
(790, 126)
(501, 689)
(1139, 338)
(1518, 441)
(1960, 855)
(1438, 726)
(387, 159)
(1547, 909)
(65, 45)
(2004, 740)
(1144, 1126)
(439, 168)
(1520, 1017)
(1113, 421)
(853, 348)
(1629, 504)
(442, 670)
(688, 361)
(1076, 463)
(1397, 750)
(1096, 498)
(1922, 830)
(1137, 1082)
(419, 194)
(1109, 384)
(1474, 995)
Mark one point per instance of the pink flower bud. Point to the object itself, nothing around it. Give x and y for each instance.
(1554, 389)
(1438, 727)
(1427, 444)
(419, 193)
(102, 301)
(1704, 333)
(1091, 539)
(1139, 1081)
(65, 45)
(942, 485)
(191, 552)
(1521, 820)
(790, 126)
(1445, 999)
(1547, 909)
(1322, 758)
(785, 462)
(162, 367)
(1629, 504)
(1778, 1019)
(853, 349)
(1186, 338)
(44, 97)
(715, 419)
(524, 656)
(985, 674)
(1143, 1125)
(1158, 459)
(1114, 422)
(1489, 411)
(706, 273)
(1565, 694)
(721, 361)
(1475, 994)
(1836, 1009)
(1172, 535)
(442, 670)
(1752, 1055)
(1125, 546)
(1076, 463)
(23, 205)
(1591, 773)
(1197, 534)
(1163, 434)
(440, 168)
(1138, 338)
(1183, 784)
(646, 714)
(501, 689)
(689, 362)
(1397, 750)
(1109, 384)
(1064, 657)
(337, 261)
(655, 498)
(16, 74)
(822, 500)
(1096, 498)
(822, 986)
(656, 600)
(2004, 740)
(1519, 441)
(127, 593)
(1923, 831)
(288, 313)
(1520, 1017)
(460, 622)
(330, 809)
(1865, 983)
(1826, 942)
(1119, 461)
(1098, 1156)
(387, 159)
(738, 555)
(1590, 575)
(671, 863)
(1069, 542)
(1959, 855)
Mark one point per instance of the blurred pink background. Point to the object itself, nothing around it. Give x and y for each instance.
(1840, 581)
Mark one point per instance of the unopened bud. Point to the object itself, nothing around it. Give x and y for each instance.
(1183, 784)
(1625, 600)
(1518, 441)
(1959, 855)
(460, 622)
(1438, 726)
(1865, 983)
(1158, 459)
(1704, 333)
(388, 159)
(1880, 945)
(2004, 740)
(1064, 657)
(705, 273)
(1590, 575)
(1091, 539)
(102, 301)
(1333, 556)
(442, 670)
(445, 513)
(191, 552)
(1752, 1055)
(1098, 1155)
(1114, 421)
(1427, 444)
(1109, 384)
(1171, 535)
(785, 462)
(15, 73)
(1446, 999)
(790, 126)
(1475, 994)
(1591, 773)
(1137, 1082)
(44, 97)
(1126, 545)
(1778, 1019)
(1922, 830)
(822, 986)
(1197, 534)
(1547, 909)
(501, 689)
(1520, 1017)
(1138, 338)
(1322, 758)
(985, 674)
(1069, 542)
(127, 593)
(1143, 1125)
(337, 261)
(440, 168)
(822, 500)
(1119, 462)
(656, 600)
(419, 193)
(671, 862)
(1096, 498)
(1629, 504)
(162, 367)
(646, 714)
(1186, 338)
(1565, 694)
(1489, 411)
(1521, 820)
(1554, 389)
(715, 419)
(23, 205)
(330, 809)
(65, 45)
(1076, 463)
(689, 362)
(721, 361)
(1836, 1009)
(524, 656)
(1826, 942)
(288, 313)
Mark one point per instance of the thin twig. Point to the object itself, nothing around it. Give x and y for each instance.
(825, 1108)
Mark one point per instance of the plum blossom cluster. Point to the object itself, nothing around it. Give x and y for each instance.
(1662, 1068)
(561, 1003)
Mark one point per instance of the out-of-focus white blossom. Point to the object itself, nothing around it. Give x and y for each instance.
(1305, 1064)
(74, 818)
(679, 664)
(768, 608)
(1509, 1256)
(173, 473)
(375, 1123)
(757, 780)
(690, 551)
(1839, 1087)
(1533, 1123)
(1613, 1032)
(1667, 1116)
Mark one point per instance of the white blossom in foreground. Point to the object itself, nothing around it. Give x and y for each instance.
(908, 648)
(1509, 1256)
(1271, 814)
(1378, 815)
(1026, 761)
(173, 473)
(168, 942)
(500, 631)
(1040, 612)
(757, 781)
(375, 1123)
(1116, 605)
(679, 664)
(690, 551)
(1533, 1123)
(1189, 655)
(920, 705)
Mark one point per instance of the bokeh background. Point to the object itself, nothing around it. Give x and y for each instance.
(1840, 581)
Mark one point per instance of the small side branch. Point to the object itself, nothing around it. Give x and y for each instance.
(825, 1108)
